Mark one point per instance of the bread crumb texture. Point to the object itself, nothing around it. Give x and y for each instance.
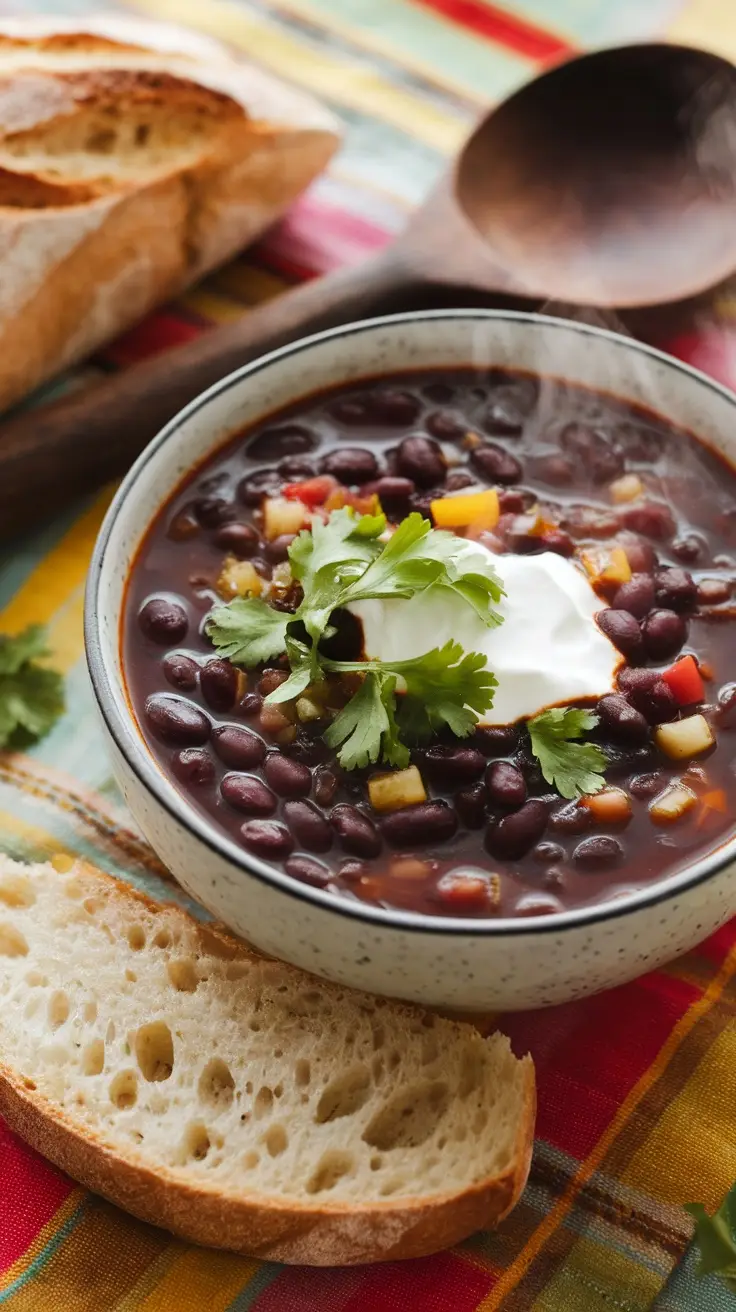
(184, 1053)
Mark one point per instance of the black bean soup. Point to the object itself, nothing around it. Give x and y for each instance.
(576, 472)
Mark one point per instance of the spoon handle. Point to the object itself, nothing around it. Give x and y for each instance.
(51, 454)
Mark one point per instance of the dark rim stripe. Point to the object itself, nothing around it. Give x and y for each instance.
(125, 734)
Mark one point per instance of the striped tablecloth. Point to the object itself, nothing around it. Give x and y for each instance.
(637, 1087)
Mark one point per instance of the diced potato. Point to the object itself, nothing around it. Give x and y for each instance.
(389, 792)
(308, 710)
(282, 516)
(626, 488)
(611, 806)
(607, 565)
(410, 868)
(681, 738)
(474, 509)
(671, 804)
(238, 578)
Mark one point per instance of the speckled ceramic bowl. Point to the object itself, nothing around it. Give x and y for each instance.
(479, 964)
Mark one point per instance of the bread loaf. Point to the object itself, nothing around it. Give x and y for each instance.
(133, 159)
(239, 1102)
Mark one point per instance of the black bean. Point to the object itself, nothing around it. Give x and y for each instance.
(454, 765)
(557, 540)
(504, 416)
(350, 464)
(554, 469)
(713, 592)
(270, 680)
(421, 459)
(639, 553)
(266, 838)
(176, 721)
(250, 704)
(277, 550)
(352, 871)
(506, 785)
(287, 777)
(446, 427)
(351, 410)
(495, 464)
(676, 589)
(213, 511)
(654, 698)
(600, 458)
(439, 393)
(636, 596)
(356, 831)
(180, 671)
(631, 759)
(183, 525)
(420, 826)
(246, 792)
(396, 407)
(495, 740)
(548, 853)
(571, 818)
(470, 804)
(295, 469)
(310, 828)
(726, 712)
(514, 835)
(652, 518)
(253, 488)
(325, 786)
(598, 852)
(647, 785)
(308, 871)
(240, 540)
(219, 683)
(194, 766)
(537, 904)
(308, 747)
(238, 747)
(283, 440)
(163, 621)
(623, 630)
(394, 493)
(688, 548)
(621, 720)
(664, 632)
(457, 479)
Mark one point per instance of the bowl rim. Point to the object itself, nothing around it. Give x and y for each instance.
(128, 739)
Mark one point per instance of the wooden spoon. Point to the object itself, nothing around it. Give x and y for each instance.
(608, 181)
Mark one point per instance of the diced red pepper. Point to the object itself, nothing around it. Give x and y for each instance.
(685, 681)
(313, 492)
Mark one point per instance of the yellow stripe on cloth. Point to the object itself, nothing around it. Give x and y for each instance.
(690, 1153)
(33, 842)
(709, 24)
(43, 1238)
(210, 305)
(198, 1278)
(105, 1254)
(557, 1214)
(52, 593)
(249, 284)
(625, 1281)
(344, 82)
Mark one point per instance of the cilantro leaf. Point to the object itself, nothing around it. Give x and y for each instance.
(365, 729)
(716, 1238)
(304, 670)
(329, 556)
(31, 695)
(247, 630)
(573, 768)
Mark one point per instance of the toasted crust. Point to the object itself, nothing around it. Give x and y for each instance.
(92, 123)
(264, 1227)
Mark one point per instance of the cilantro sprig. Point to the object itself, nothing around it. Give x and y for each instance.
(572, 767)
(31, 695)
(343, 561)
(715, 1237)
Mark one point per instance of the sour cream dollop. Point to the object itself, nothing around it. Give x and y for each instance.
(549, 650)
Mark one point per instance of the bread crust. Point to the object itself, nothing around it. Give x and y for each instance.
(128, 170)
(253, 1225)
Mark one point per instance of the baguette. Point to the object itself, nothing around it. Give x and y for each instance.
(236, 1101)
(133, 159)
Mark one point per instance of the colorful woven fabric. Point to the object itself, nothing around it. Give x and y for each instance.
(637, 1088)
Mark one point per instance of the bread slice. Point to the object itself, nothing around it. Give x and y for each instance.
(134, 158)
(239, 1102)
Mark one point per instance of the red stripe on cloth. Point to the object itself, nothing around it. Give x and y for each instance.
(507, 29)
(717, 947)
(159, 332)
(434, 1284)
(319, 237)
(589, 1054)
(37, 1191)
(711, 349)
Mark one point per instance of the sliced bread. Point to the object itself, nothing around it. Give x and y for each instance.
(237, 1101)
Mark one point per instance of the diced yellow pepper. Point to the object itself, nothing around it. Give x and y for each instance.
(681, 738)
(626, 488)
(606, 565)
(389, 792)
(238, 578)
(672, 804)
(472, 510)
(282, 516)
